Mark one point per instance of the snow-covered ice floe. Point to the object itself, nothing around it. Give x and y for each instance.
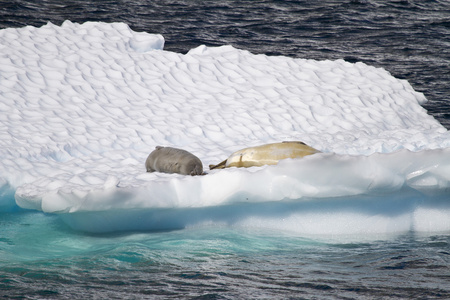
(82, 106)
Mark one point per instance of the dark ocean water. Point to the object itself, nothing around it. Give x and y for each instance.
(40, 258)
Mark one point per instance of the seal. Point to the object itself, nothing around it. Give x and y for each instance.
(269, 154)
(173, 160)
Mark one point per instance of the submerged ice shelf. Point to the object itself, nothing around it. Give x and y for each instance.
(82, 105)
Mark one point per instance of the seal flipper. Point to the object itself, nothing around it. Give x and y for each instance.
(218, 166)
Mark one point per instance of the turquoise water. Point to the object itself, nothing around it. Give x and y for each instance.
(40, 257)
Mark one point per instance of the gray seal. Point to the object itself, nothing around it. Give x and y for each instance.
(173, 160)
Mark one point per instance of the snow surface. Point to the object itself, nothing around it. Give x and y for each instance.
(82, 106)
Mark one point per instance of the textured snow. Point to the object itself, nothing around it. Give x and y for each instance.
(82, 106)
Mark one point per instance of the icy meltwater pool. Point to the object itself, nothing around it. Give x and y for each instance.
(82, 106)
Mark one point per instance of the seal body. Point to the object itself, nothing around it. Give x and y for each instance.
(173, 160)
(269, 154)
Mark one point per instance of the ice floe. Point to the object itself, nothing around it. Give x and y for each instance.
(82, 106)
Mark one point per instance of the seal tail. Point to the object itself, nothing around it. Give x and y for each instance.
(218, 166)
